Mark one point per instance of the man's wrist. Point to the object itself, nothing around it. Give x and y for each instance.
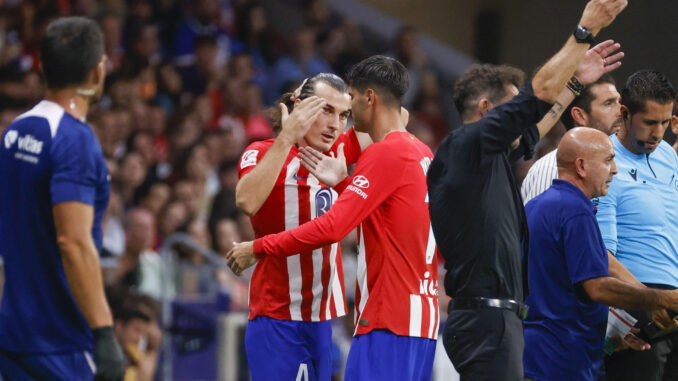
(575, 86)
(103, 331)
(286, 139)
(258, 248)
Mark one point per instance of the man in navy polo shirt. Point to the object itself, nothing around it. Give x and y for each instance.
(568, 269)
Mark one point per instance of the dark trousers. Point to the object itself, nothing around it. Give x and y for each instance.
(658, 364)
(485, 344)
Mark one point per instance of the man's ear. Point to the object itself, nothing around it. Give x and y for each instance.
(579, 166)
(371, 97)
(674, 124)
(626, 114)
(580, 117)
(98, 73)
(484, 106)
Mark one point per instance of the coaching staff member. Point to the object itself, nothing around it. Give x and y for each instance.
(55, 323)
(478, 218)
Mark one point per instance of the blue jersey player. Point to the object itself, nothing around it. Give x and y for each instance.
(55, 323)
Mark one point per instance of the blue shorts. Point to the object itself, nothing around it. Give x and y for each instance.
(67, 366)
(289, 350)
(383, 355)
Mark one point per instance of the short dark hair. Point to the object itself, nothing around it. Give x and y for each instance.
(307, 90)
(386, 75)
(646, 85)
(485, 80)
(584, 100)
(70, 48)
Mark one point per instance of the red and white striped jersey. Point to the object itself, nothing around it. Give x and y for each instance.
(397, 285)
(309, 285)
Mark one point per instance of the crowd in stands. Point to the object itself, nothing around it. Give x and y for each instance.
(188, 87)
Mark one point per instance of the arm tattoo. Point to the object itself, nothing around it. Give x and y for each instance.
(555, 110)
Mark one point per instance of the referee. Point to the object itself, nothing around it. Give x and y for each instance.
(55, 323)
(479, 221)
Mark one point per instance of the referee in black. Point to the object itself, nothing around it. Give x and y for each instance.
(478, 217)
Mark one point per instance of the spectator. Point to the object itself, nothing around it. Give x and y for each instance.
(139, 268)
(304, 62)
(137, 330)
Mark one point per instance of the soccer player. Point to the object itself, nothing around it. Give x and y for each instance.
(293, 298)
(397, 293)
(55, 323)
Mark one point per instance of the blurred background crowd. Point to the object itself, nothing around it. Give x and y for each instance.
(188, 87)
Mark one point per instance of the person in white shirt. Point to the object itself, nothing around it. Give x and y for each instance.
(597, 107)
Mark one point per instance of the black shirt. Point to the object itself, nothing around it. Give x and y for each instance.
(476, 209)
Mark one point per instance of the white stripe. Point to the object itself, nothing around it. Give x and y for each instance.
(415, 315)
(435, 336)
(362, 277)
(317, 288)
(291, 222)
(338, 296)
(334, 292)
(294, 274)
(431, 318)
(90, 362)
(540, 176)
(48, 110)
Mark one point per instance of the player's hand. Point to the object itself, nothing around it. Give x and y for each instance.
(296, 124)
(241, 257)
(599, 60)
(108, 358)
(600, 13)
(631, 341)
(662, 319)
(329, 170)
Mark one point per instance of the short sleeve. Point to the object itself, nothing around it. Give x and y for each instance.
(74, 168)
(251, 157)
(584, 252)
(607, 217)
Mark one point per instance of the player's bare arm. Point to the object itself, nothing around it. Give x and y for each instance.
(73, 222)
(255, 187)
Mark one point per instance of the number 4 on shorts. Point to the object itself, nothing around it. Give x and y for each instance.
(302, 375)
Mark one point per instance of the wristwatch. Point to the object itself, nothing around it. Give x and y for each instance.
(583, 35)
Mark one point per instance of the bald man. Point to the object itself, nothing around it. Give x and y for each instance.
(568, 272)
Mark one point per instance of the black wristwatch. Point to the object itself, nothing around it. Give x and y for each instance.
(583, 35)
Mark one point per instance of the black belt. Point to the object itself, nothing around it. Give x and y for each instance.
(475, 303)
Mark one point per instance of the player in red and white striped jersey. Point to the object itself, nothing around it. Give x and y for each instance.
(292, 298)
(397, 293)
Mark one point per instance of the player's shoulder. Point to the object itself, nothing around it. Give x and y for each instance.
(44, 114)
(666, 150)
(399, 144)
(259, 145)
(254, 152)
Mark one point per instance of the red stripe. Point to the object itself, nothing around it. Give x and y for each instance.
(621, 318)
(306, 258)
(325, 276)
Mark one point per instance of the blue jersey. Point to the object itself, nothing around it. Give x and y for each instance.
(46, 157)
(565, 329)
(639, 216)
